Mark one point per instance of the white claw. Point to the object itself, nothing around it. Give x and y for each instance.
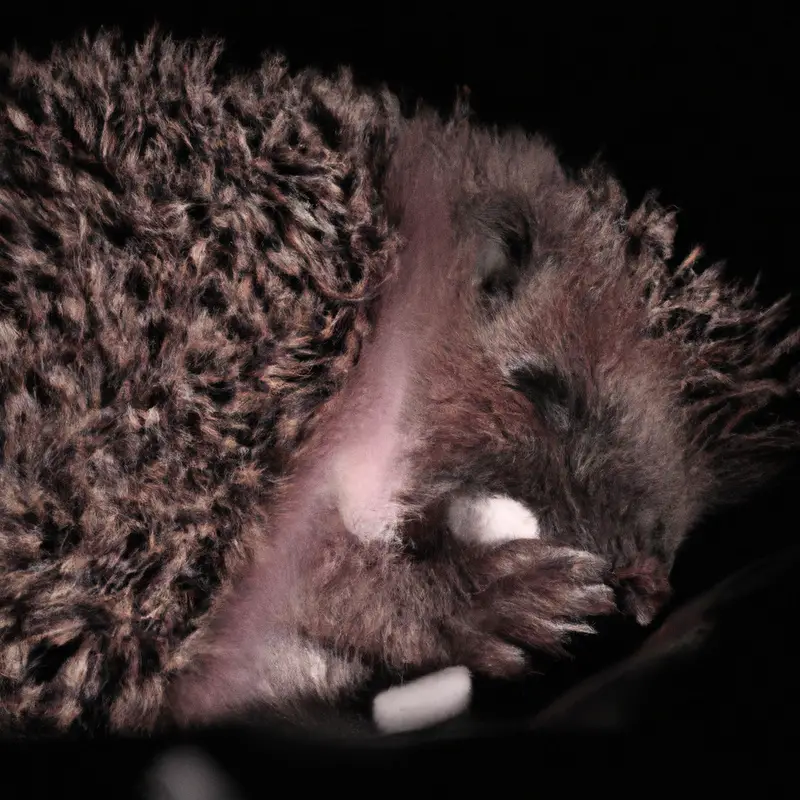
(574, 627)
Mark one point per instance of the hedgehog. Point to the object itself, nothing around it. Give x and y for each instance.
(298, 386)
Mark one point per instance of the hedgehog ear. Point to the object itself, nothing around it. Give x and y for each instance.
(504, 246)
(643, 588)
(496, 273)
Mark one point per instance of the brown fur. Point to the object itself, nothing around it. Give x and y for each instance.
(187, 264)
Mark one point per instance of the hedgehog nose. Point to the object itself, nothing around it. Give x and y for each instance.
(642, 589)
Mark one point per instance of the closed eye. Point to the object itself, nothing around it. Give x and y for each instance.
(549, 391)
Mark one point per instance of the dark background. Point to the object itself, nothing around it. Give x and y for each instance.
(701, 106)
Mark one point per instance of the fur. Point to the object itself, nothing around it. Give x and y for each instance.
(258, 331)
(186, 267)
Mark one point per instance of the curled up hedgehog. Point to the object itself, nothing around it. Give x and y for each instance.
(295, 388)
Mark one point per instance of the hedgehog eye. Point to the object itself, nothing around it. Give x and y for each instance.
(549, 392)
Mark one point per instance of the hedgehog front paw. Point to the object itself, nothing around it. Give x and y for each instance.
(525, 597)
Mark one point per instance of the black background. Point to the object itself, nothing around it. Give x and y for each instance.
(697, 103)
